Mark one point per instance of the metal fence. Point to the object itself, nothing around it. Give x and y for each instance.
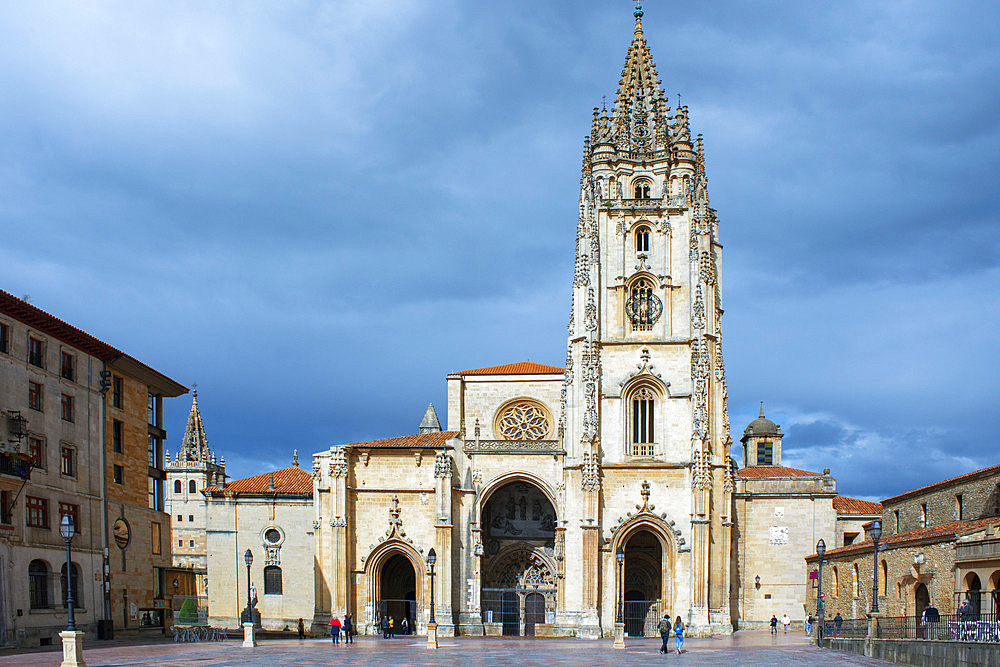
(642, 617)
(850, 628)
(951, 627)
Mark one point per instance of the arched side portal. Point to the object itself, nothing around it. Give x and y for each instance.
(518, 586)
(395, 574)
(646, 579)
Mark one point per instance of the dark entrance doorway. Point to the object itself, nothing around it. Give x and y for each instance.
(534, 612)
(922, 600)
(398, 593)
(643, 584)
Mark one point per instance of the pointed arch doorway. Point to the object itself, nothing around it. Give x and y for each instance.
(646, 586)
(398, 592)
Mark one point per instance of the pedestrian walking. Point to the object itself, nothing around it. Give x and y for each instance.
(348, 629)
(931, 617)
(405, 626)
(838, 621)
(774, 624)
(302, 629)
(335, 630)
(785, 622)
(392, 627)
(809, 625)
(678, 634)
(664, 628)
(385, 627)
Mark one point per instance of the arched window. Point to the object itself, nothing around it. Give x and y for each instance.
(177, 486)
(642, 239)
(855, 588)
(642, 189)
(884, 583)
(272, 580)
(192, 486)
(642, 429)
(643, 307)
(75, 580)
(835, 582)
(38, 584)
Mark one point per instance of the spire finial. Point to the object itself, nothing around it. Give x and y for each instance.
(194, 387)
(761, 415)
(295, 458)
(638, 19)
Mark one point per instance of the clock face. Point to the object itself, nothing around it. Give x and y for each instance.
(123, 534)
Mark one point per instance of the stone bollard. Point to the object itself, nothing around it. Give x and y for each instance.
(248, 638)
(619, 636)
(72, 649)
(873, 621)
(432, 635)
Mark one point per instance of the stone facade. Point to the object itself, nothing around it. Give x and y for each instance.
(271, 515)
(72, 390)
(940, 562)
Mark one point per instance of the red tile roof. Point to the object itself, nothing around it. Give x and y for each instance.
(519, 368)
(942, 533)
(38, 319)
(845, 505)
(432, 440)
(775, 471)
(292, 481)
(960, 478)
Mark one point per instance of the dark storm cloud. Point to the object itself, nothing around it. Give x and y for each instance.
(316, 210)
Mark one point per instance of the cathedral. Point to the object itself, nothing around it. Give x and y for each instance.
(557, 500)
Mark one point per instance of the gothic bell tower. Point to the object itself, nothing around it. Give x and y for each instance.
(644, 395)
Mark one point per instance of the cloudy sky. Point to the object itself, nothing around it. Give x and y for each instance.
(317, 210)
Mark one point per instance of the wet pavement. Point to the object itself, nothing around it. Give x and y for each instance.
(742, 648)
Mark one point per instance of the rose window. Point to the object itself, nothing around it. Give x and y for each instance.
(523, 421)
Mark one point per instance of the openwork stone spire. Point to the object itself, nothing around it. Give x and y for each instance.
(639, 119)
(195, 445)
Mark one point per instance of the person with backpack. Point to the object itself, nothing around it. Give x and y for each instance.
(335, 630)
(678, 634)
(774, 624)
(664, 628)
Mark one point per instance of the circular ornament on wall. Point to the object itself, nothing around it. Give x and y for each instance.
(123, 533)
(522, 420)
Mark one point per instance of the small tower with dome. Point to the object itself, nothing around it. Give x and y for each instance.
(761, 442)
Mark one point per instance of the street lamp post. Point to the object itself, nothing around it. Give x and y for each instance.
(72, 640)
(248, 638)
(619, 599)
(876, 532)
(820, 551)
(432, 623)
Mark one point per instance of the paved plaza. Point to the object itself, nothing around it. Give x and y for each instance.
(744, 648)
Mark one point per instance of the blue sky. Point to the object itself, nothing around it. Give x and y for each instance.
(317, 210)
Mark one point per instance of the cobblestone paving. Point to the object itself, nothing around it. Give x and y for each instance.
(744, 648)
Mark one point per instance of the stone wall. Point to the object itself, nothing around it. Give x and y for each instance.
(923, 653)
(980, 498)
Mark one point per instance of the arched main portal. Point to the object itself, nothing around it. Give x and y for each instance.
(518, 576)
(644, 589)
(397, 592)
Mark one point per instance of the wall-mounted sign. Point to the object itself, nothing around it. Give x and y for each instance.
(123, 534)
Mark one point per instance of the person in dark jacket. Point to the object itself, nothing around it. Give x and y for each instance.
(385, 627)
(774, 624)
(838, 622)
(664, 628)
(302, 629)
(348, 629)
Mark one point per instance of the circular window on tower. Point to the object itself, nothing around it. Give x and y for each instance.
(522, 419)
(272, 536)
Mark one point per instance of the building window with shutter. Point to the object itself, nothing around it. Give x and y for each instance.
(272, 580)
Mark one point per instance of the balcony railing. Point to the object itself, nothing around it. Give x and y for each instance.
(15, 464)
(513, 446)
(978, 550)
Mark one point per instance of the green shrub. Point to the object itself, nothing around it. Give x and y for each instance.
(188, 615)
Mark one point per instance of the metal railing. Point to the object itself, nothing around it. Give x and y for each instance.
(951, 627)
(847, 628)
(16, 464)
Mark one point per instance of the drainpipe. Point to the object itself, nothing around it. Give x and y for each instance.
(105, 384)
